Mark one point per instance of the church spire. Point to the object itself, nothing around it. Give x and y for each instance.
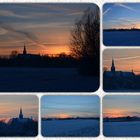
(20, 114)
(113, 66)
(24, 50)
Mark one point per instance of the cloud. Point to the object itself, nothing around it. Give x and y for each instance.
(126, 7)
(28, 35)
(120, 5)
(124, 58)
(106, 11)
(9, 13)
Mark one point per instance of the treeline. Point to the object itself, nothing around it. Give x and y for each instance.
(38, 61)
(76, 118)
(122, 119)
(114, 29)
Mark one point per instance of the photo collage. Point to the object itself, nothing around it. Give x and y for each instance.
(69, 70)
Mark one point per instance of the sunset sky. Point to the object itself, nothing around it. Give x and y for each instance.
(10, 106)
(44, 28)
(121, 15)
(125, 59)
(121, 105)
(70, 106)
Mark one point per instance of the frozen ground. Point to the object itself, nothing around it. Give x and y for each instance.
(45, 79)
(70, 128)
(122, 129)
(121, 38)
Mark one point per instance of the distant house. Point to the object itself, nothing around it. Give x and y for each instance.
(26, 55)
(118, 74)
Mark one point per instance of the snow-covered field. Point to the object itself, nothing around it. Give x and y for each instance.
(120, 38)
(122, 129)
(45, 79)
(70, 128)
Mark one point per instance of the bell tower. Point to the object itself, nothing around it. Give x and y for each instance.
(20, 114)
(113, 66)
(24, 50)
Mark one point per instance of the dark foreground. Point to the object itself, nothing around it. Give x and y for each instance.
(45, 80)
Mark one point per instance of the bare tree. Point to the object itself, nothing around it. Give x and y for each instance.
(85, 41)
(13, 54)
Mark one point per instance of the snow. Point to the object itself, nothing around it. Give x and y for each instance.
(122, 129)
(121, 38)
(45, 79)
(76, 127)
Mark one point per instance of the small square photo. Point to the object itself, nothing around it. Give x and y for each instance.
(18, 116)
(121, 24)
(121, 116)
(121, 71)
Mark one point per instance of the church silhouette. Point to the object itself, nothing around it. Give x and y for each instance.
(26, 55)
(114, 73)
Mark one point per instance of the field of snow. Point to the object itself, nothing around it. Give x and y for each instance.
(76, 128)
(122, 129)
(121, 38)
(45, 79)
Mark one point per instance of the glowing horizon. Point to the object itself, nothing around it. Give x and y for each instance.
(121, 106)
(63, 107)
(44, 28)
(125, 59)
(10, 106)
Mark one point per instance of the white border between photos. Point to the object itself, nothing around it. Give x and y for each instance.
(99, 92)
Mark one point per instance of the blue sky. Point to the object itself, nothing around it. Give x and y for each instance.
(121, 105)
(70, 106)
(121, 15)
(44, 28)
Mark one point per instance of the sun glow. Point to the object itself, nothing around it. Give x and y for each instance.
(63, 116)
(114, 113)
(56, 50)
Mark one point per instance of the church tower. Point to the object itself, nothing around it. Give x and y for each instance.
(113, 66)
(24, 50)
(20, 114)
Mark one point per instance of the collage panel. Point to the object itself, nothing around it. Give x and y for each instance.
(121, 71)
(70, 116)
(121, 24)
(18, 116)
(49, 47)
(121, 116)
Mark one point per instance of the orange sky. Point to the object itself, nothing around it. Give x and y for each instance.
(125, 59)
(10, 106)
(44, 28)
(121, 106)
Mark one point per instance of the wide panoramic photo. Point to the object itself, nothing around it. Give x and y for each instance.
(49, 47)
(70, 116)
(121, 24)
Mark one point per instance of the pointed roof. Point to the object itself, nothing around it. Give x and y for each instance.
(24, 50)
(20, 110)
(112, 61)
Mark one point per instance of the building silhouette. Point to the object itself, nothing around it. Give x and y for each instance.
(113, 66)
(20, 114)
(24, 50)
(26, 55)
(120, 74)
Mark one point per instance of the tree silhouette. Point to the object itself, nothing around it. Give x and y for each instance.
(13, 54)
(85, 42)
